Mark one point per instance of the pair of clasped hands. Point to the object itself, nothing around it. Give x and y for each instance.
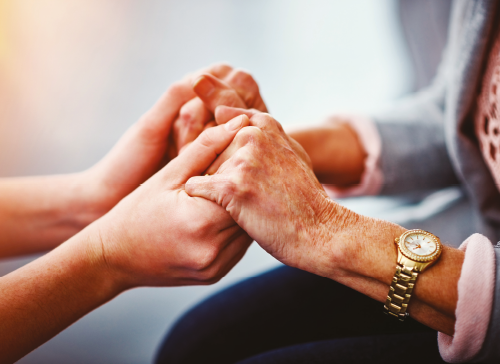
(215, 172)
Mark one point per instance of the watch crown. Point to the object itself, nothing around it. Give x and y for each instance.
(396, 240)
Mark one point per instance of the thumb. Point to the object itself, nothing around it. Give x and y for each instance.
(201, 153)
(207, 187)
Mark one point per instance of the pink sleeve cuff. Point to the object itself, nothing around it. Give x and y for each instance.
(475, 300)
(372, 178)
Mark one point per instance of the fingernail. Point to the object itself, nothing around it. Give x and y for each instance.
(203, 87)
(234, 124)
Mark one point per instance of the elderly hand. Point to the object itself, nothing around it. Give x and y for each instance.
(273, 195)
(223, 114)
(159, 235)
(270, 192)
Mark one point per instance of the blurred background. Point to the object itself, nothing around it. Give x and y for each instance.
(75, 74)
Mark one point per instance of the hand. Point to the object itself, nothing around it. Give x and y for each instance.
(174, 121)
(270, 192)
(229, 87)
(272, 195)
(160, 236)
(223, 114)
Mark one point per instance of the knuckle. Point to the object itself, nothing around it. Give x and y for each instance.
(212, 274)
(228, 98)
(266, 121)
(243, 78)
(247, 85)
(242, 184)
(207, 137)
(186, 115)
(249, 133)
(197, 226)
(204, 259)
(221, 68)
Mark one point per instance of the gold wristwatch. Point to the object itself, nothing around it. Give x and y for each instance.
(417, 249)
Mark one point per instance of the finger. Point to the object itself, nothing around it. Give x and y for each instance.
(214, 188)
(214, 92)
(192, 118)
(125, 160)
(259, 119)
(241, 139)
(246, 86)
(229, 256)
(210, 124)
(224, 156)
(184, 148)
(203, 151)
(220, 70)
(224, 113)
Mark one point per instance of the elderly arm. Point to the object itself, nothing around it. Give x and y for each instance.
(277, 199)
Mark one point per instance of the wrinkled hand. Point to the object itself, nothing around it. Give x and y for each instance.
(223, 114)
(270, 192)
(159, 235)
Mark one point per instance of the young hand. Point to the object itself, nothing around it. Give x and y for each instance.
(160, 236)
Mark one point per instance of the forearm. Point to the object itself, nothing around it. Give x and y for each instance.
(335, 151)
(39, 213)
(360, 253)
(44, 297)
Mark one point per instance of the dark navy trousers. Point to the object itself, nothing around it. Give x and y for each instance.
(290, 316)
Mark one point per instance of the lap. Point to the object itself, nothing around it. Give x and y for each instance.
(285, 307)
(419, 347)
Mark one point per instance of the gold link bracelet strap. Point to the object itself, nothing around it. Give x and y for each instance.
(400, 292)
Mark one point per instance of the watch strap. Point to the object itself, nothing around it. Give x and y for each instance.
(400, 292)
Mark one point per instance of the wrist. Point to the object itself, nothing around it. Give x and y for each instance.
(353, 245)
(88, 248)
(90, 199)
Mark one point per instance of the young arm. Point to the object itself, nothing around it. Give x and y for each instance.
(39, 213)
(156, 236)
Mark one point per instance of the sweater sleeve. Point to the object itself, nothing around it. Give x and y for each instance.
(475, 302)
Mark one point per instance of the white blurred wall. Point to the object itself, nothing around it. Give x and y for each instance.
(74, 74)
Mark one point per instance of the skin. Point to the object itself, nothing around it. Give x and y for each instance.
(268, 189)
(39, 213)
(124, 223)
(156, 236)
(337, 156)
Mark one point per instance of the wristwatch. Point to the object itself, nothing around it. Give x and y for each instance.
(417, 250)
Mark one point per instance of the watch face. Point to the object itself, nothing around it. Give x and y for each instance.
(420, 244)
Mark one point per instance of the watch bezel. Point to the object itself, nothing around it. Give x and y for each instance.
(419, 258)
